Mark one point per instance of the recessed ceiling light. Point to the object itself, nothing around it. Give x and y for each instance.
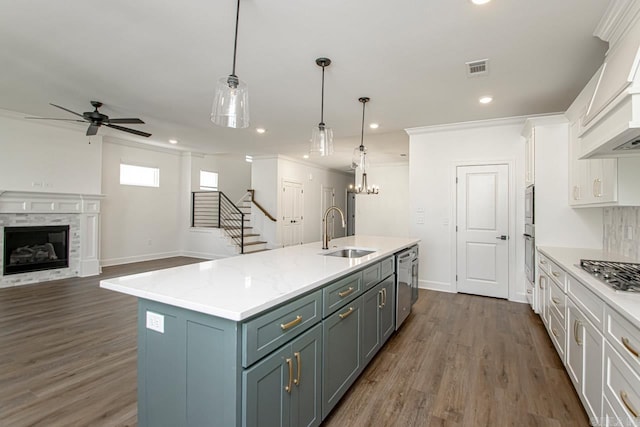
(479, 2)
(485, 100)
(306, 156)
(248, 158)
(261, 130)
(173, 141)
(374, 126)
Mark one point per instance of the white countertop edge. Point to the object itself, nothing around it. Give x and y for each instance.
(626, 304)
(115, 284)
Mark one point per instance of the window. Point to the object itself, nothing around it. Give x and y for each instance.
(139, 175)
(208, 181)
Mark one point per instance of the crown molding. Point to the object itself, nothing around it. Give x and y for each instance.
(507, 121)
(617, 20)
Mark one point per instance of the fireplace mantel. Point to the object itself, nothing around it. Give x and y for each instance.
(43, 208)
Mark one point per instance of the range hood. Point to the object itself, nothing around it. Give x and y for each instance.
(611, 125)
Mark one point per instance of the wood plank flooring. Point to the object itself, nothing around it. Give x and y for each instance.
(68, 358)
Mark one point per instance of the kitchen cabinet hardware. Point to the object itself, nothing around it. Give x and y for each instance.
(555, 300)
(540, 281)
(628, 346)
(380, 299)
(625, 400)
(349, 291)
(299, 364)
(554, 331)
(346, 313)
(576, 331)
(529, 291)
(290, 365)
(555, 274)
(294, 322)
(543, 262)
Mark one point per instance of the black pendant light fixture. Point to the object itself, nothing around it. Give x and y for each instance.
(321, 135)
(359, 161)
(231, 102)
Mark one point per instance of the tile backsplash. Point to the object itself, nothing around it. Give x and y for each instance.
(622, 231)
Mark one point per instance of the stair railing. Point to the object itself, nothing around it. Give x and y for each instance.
(259, 206)
(214, 209)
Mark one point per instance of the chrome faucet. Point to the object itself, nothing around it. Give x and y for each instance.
(325, 233)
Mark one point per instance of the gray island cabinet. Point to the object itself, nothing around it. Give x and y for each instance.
(285, 365)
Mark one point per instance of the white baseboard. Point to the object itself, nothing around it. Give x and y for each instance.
(436, 286)
(138, 258)
(519, 298)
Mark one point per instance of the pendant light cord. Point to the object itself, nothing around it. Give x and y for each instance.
(322, 99)
(235, 41)
(362, 130)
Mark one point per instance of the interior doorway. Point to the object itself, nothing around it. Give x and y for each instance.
(292, 213)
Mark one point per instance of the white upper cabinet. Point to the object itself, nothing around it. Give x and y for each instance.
(529, 157)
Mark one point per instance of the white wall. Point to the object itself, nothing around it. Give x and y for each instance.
(434, 153)
(387, 213)
(39, 156)
(234, 173)
(267, 176)
(140, 223)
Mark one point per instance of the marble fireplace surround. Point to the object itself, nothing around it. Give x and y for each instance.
(80, 211)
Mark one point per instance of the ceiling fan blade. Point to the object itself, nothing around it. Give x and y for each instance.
(92, 129)
(66, 109)
(133, 131)
(129, 121)
(47, 118)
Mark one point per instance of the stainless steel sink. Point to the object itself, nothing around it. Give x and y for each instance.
(350, 253)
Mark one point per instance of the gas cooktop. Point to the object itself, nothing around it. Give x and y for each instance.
(621, 276)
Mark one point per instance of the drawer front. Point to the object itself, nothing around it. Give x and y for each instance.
(621, 387)
(558, 335)
(558, 275)
(371, 276)
(339, 293)
(266, 333)
(558, 301)
(530, 294)
(543, 262)
(587, 301)
(387, 267)
(624, 337)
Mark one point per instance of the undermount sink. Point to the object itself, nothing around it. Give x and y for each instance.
(350, 253)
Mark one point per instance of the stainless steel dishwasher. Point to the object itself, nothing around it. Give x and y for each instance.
(406, 283)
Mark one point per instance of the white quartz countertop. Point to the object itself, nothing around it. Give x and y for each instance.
(239, 287)
(625, 303)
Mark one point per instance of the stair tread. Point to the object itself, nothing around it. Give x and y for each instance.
(259, 242)
(256, 251)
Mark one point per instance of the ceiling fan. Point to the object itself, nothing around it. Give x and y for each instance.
(97, 119)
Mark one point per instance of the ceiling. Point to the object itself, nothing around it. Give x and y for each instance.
(159, 60)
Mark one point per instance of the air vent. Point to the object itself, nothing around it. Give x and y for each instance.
(478, 68)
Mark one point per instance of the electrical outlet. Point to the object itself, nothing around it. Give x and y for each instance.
(155, 322)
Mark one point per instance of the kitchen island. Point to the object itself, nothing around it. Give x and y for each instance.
(272, 338)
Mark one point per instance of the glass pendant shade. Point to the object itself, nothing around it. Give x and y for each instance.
(321, 140)
(231, 103)
(359, 158)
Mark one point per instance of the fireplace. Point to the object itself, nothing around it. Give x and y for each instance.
(35, 248)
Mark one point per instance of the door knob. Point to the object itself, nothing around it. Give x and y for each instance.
(503, 237)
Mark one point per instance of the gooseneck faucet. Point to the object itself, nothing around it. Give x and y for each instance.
(325, 233)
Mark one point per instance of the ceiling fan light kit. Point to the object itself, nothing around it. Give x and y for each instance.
(231, 102)
(359, 162)
(321, 135)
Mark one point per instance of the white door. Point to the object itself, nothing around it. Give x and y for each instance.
(328, 200)
(292, 208)
(482, 230)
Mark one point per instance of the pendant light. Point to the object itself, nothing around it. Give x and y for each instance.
(321, 135)
(359, 161)
(231, 102)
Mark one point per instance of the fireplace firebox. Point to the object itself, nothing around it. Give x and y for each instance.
(35, 248)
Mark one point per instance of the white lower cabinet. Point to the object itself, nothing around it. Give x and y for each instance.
(584, 360)
(621, 389)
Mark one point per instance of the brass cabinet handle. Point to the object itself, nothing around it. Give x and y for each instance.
(543, 262)
(384, 296)
(290, 363)
(627, 344)
(540, 281)
(294, 322)
(529, 291)
(380, 299)
(345, 293)
(576, 331)
(346, 313)
(555, 273)
(299, 363)
(554, 332)
(632, 410)
(555, 300)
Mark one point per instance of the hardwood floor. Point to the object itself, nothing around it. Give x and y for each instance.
(68, 358)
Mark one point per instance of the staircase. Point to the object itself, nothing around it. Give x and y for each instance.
(214, 209)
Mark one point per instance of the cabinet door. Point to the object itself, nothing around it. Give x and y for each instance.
(265, 398)
(341, 353)
(578, 170)
(603, 180)
(371, 311)
(575, 351)
(543, 285)
(388, 311)
(305, 397)
(592, 347)
(529, 154)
